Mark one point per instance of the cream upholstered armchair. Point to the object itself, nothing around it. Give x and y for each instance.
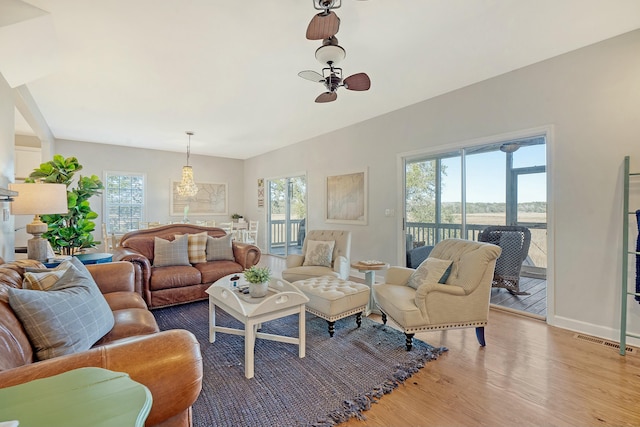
(324, 252)
(450, 289)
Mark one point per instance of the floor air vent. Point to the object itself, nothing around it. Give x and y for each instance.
(605, 343)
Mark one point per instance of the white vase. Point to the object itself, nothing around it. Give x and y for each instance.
(258, 290)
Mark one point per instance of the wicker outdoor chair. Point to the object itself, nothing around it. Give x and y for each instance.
(514, 241)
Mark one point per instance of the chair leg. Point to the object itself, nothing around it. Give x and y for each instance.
(480, 335)
(384, 318)
(409, 341)
(332, 328)
(359, 319)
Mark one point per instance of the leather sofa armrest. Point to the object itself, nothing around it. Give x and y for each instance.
(246, 254)
(294, 260)
(168, 363)
(142, 270)
(113, 276)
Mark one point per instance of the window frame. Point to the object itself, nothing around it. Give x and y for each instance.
(107, 204)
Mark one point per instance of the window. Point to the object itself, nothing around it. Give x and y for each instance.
(124, 201)
(457, 194)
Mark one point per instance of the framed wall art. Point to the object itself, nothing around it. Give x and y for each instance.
(211, 199)
(347, 198)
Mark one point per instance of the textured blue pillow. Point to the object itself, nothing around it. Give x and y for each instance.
(445, 276)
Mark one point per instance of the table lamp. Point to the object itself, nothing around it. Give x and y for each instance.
(38, 199)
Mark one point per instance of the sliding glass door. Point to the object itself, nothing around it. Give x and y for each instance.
(287, 212)
(457, 194)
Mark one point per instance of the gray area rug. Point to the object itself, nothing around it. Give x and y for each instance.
(338, 379)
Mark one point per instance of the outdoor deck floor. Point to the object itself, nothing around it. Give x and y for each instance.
(535, 303)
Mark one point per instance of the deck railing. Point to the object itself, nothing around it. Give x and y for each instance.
(279, 233)
(422, 233)
(431, 233)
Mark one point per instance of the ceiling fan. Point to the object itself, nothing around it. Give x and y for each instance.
(326, 23)
(331, 53)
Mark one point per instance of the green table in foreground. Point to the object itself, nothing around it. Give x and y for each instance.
(82, 397)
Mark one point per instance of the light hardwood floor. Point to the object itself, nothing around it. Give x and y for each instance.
(529, 374)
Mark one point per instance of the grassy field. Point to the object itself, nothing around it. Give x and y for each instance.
(538, 247)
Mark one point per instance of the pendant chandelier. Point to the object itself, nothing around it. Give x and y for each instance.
(187, 187)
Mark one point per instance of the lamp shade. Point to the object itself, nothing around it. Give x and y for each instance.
(39, 199)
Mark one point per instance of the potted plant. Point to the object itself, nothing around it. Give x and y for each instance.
(236, 216)
(70, 232)
(258, 278)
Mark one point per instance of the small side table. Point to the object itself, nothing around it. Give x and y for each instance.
(369, 269)
(86, 259)
(82, 397)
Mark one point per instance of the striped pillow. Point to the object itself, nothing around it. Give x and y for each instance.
(197, 247)
(41, 279)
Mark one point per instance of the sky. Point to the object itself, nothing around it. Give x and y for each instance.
(486, 177)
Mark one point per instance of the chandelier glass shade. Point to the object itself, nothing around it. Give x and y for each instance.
(187, 187)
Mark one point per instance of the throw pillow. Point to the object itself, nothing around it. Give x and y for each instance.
(41, 279)
(319, 252)
(197, 247)
(167, 253)
(431, 270)
(220, 248)
(445, 276)
(69, 317)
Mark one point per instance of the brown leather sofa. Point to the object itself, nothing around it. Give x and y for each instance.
(169, 363)
(176, 284)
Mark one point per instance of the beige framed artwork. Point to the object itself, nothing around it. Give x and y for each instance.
(347, 198)
(211, 199)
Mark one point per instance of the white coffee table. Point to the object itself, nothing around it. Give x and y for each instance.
(282, 300)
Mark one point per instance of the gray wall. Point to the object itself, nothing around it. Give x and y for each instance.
(160, 167)
(589, 100)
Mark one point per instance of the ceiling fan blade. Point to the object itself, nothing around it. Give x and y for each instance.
(327, 97)
(311, 75)
(323, 26)
(358, 81)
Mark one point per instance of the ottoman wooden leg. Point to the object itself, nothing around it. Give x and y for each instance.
(409, 341)
(332, 328)
(359, 319)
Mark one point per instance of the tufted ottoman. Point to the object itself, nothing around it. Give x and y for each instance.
(332, 298)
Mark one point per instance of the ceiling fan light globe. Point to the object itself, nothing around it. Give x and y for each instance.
(330, 54)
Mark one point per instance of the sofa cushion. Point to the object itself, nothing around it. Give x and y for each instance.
(220, 248)
(431, 270)
(69, 317)
(319, 253)
(174, 276)
(174, 252)
(212, 271)
(130, 322)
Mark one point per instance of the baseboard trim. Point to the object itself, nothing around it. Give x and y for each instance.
(517, 312)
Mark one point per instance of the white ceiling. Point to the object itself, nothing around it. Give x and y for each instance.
(141, 73)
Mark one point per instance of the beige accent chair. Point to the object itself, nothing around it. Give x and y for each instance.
(340, 265)
(463, 302)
